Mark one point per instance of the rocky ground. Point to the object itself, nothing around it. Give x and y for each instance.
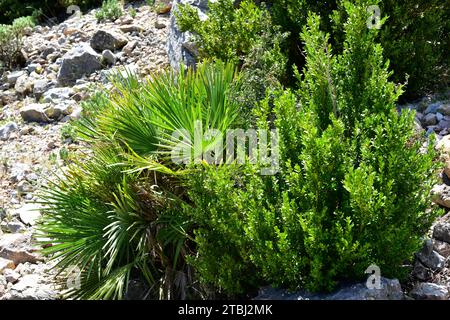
(64, 62)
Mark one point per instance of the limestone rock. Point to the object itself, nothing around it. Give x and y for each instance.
(29, 213)
(24, 85)
(109, 57)
(177, 52)
(11, 275)
(128, 49)
(81, 60)
(40, 87)
(16, 247)
(441, 195)
(7, 129)
(131, 28)
(13, 76)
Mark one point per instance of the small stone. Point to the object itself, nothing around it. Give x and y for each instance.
(33, 67)
(441, 195)
(34, 113)
(165, 8)
(13, 76)
(40, 87)
(124, 20)
(24, 187)
(429, 291)
(160, 25)
(57, 95)
(429, 257)
(47, 51)
(109, 57)
(7, 129)
(12, 227)
(11, 276)
(29, 213)
(76, 114)
(429, 120)
(443, 248)
(106, 40)
(69, 31)
(444, 109)
(6, 264)
(131, 28)
(421, 272)
(16, 247)
(128, 49)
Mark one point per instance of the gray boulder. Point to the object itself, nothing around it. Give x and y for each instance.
(81, 60)
(441, 232)
(107, 40)
(390, 290)
(429, 291)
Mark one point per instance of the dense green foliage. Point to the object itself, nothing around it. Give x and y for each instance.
(353, 186)
(11, 41)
